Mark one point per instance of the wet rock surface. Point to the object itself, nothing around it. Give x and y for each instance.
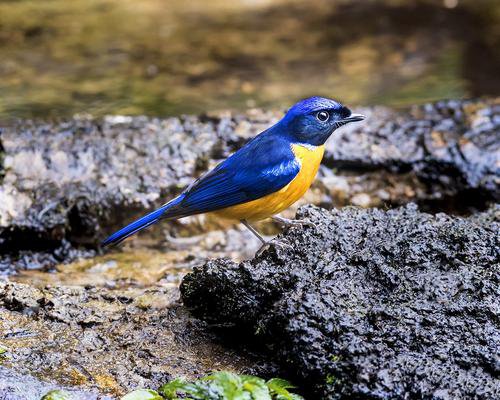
(369, 303)
(64, 182)
(111, 323)
(14, 386)
(451, 146)
(66, 185)
(105, 341)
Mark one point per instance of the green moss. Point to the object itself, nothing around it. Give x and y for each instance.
(334, 358)
(330, 379)
(3, 353)
(56, 395)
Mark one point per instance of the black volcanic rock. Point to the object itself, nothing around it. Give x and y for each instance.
(452, 144)
(65, 185)
(370, 303)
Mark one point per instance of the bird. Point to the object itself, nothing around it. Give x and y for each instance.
(264, 177)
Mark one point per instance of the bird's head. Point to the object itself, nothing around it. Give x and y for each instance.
(313, 120)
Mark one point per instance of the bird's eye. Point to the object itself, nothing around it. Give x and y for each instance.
(322, 116)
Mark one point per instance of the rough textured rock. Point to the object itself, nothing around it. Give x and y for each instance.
(67, 184)
(107, 341)
(455, 144)
(64, 181)
(14, 386)
(370, 303)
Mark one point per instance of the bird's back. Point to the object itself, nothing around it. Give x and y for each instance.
(263, 166)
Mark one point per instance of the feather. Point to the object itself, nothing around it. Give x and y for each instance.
(263, 166)
(139, 224)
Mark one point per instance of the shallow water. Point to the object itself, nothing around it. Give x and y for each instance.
(160, 57)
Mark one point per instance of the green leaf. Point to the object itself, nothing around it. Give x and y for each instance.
(169, 390)
(225, 385)
(230, 384)
(279, 389)
(56, 395)
(256, 387)
(199, 390)
(142, 394)
(276, 383)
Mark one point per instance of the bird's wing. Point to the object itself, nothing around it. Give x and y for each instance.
(263, 166)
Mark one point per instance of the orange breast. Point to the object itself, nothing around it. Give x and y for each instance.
(310, 158)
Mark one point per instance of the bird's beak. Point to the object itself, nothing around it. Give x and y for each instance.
(353, 118)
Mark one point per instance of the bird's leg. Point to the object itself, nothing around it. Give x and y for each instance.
(265, 243)
(291, 222)
(254, 231)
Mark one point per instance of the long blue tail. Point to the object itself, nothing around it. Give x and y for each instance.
(139, 224)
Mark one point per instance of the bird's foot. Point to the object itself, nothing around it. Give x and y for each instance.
(276, 243)
(292, 222)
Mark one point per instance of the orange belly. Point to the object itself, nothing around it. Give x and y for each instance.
(267, 206)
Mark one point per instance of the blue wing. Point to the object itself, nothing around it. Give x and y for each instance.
(263, 166)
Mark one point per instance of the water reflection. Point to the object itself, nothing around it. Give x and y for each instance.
(163, 57)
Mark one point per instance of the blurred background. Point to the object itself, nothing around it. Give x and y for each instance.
(165, 57)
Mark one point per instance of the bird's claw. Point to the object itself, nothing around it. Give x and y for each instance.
(302, 222)
(274, 242)
(293, 222)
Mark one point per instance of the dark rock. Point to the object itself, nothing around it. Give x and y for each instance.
(14, 386)
(370, 303)
(64, 182)
(106, 341)
(453, 145)
(68, 184)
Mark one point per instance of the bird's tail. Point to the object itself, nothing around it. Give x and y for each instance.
(140, 224)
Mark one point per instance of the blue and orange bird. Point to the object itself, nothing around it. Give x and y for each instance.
(267, 175)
